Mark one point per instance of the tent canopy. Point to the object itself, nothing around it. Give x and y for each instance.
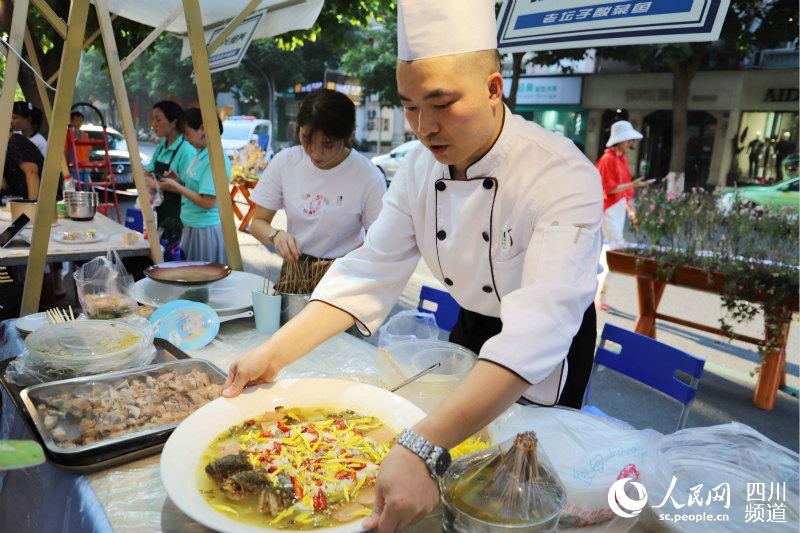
(281, 16)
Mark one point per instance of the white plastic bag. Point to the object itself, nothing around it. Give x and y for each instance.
(588, 452)
(729, 469)
(408, 325)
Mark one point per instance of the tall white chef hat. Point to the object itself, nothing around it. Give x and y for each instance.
(432, 28)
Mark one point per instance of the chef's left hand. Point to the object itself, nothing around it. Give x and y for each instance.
(405, 492)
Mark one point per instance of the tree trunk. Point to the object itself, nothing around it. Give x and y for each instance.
(681, 80)
(516, 72)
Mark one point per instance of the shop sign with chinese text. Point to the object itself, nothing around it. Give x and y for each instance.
(559, 24)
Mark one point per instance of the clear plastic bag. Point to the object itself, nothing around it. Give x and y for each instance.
(105, 289)
(82, 348)
(729, 469)
(509, 486)
(408, 325)
(588, 452)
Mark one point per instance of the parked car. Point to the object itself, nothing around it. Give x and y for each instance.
(781, 194)
(117, 151)
(238, 131)
(388, 163)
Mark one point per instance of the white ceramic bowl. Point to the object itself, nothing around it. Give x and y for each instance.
(180, 459)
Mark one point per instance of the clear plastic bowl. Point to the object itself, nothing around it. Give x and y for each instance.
(398, 362)
(85, 346)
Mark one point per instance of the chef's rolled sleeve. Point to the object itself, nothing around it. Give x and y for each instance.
(366, 282)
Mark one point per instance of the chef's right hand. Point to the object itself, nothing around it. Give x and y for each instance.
(287, 246)
(253, 368)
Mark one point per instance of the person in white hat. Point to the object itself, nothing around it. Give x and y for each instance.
(618, 189)
(507, 216)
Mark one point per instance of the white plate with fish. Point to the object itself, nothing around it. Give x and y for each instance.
(196, 455)
(79, 237)
(232, 294)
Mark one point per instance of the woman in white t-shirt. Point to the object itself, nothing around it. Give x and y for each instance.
(331, 193)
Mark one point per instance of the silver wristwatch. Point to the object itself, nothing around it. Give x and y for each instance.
(436, 458)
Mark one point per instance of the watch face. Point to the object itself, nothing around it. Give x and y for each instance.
(442, 463)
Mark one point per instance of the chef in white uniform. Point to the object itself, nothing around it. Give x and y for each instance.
(506, 214)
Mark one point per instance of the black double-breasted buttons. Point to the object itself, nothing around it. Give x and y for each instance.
(440, 185)
(441, 234)
(488, 183)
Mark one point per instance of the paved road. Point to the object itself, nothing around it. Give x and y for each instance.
(726, 389)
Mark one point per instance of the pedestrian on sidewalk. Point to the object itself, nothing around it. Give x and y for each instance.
(618, 190)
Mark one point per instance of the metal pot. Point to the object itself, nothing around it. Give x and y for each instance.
(291, 305)
(80, 205)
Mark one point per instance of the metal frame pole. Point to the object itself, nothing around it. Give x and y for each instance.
(124, 108)
(45, 209)
(205, 93)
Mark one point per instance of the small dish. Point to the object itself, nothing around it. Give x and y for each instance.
(30, 323)
(187, 272)
(79, 237)
(186, 324)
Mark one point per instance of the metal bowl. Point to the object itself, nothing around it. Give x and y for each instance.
(80, 205)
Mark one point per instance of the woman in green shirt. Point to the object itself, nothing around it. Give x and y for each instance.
(173, 154)
(202, 238)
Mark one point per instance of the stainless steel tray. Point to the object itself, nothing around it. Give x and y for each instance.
(104, 450)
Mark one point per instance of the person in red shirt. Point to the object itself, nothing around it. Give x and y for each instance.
(618, 189)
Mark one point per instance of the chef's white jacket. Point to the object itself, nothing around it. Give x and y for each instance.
(519, 239)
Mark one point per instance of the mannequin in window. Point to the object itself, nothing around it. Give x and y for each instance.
(784, 148)
(754, 152)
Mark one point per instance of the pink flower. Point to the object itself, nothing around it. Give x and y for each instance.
(660, 220)
(722, 237)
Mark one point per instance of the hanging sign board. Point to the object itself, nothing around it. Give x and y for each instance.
(231, 52)
(558, 24)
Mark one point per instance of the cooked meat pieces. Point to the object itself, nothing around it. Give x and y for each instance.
(272, 501)
(245, 484)
(103, 410)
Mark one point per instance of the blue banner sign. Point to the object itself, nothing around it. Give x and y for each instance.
(525, 25)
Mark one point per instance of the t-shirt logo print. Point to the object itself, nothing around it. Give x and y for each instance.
(311, 204)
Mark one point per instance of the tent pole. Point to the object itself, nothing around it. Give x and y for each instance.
(147, 41)
(42, 89)
(88, 42)
(50, 16)
(232, 25)
(15, 37)
(205, 93)
(45, 208)
(124, 108)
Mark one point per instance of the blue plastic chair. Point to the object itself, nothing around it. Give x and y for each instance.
(446, 309)
(650, 362)
(134, 219)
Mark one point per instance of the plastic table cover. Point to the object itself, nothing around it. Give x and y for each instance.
(131, 497)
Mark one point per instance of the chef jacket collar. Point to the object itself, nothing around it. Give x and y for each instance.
(489, 163)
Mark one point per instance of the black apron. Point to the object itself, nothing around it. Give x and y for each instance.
(169, 212)
(473, 329)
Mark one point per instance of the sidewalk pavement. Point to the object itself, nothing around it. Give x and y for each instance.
(726, 388)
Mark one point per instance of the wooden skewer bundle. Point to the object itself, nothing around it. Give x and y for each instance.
(301, 277)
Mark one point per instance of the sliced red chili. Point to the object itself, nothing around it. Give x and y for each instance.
(283, 427)
(298, 488)
(276, 446)
(271, 469)
(320, 502)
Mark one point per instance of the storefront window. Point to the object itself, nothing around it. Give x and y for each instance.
(567, 121)
(765, 141)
